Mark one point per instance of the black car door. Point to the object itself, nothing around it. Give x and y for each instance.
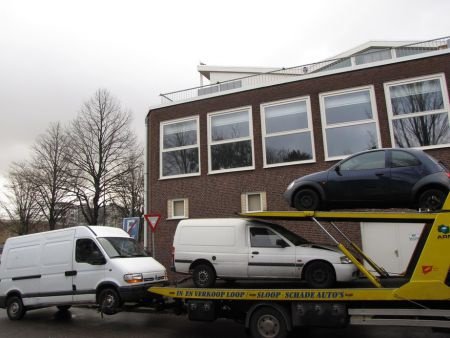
(361, 178)
(406, 170)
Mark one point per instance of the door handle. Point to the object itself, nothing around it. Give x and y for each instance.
(71, 273)
(379, 174)
(255, 253)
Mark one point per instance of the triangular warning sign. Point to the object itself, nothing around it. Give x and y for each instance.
(153, 220)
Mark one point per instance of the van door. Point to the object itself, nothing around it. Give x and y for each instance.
(270, 255)
(56, 268)
(89, 267)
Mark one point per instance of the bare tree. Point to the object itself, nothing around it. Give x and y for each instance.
(100, 139)
(51, 174)
(129, 190)
(21, 206)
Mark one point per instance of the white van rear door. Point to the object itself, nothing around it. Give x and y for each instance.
(56, 268)
(267, 256)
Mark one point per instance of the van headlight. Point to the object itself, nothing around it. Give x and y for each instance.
(345, 260)
(132, 278)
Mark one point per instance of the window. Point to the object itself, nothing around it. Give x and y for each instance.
(178, 208)
(373, 55)
(264, 238)
(87, 251)
(349, 121)
(253, 202)
(287, 132)
(230, 141)
(418, 112)
(180, 148)
(372, 160)
(403, 159)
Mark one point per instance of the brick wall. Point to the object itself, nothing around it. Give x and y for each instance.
(219, 195)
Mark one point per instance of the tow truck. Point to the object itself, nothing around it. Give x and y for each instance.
(420, 297)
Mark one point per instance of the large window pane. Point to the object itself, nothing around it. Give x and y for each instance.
(421, 131)
(351, 139)
(416, 97)
(180, 134)
(230, 126)
(231, 155)
(348, 107)
(288, 148)
(179, 162)
(286, 117)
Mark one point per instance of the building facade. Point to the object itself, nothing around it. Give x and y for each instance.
(234, 146)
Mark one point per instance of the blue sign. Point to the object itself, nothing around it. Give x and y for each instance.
(131, 226)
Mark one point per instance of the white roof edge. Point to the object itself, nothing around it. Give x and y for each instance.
(375, 43)
(205, 70)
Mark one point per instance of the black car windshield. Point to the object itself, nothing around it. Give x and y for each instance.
(289, 235)
(121, 247)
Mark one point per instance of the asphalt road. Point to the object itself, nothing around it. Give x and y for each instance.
(87, 322)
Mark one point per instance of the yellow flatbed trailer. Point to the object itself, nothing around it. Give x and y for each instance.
(420, 298)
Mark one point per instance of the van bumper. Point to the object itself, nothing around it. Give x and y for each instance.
(137, 293)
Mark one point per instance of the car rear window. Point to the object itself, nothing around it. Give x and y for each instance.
(403, 159)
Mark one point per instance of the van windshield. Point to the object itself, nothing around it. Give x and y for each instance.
(121, 247)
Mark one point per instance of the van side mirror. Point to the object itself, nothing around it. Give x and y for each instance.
(281, 243)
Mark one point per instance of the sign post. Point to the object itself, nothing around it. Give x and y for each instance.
(153, 220)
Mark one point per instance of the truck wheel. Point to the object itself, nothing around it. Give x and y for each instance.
(64, 307)
(307, 199)
(320, 275)
(204, 276)
(109, 301)
(267, 322)
(15, 308)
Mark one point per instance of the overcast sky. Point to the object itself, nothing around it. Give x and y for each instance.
(55, 54)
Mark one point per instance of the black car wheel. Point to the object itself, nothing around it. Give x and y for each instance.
(109, 301)
(320, 275)
(15, 308)
(204, 276)
(306, 199)
(432, 199)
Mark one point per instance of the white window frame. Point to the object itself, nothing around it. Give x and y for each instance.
(289, 132)
(391, 116)
(246, 138)
(374, 118)
(262, 198)
(171, 208)
(191, 146)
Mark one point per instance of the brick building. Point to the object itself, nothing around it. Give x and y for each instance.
(234, 145)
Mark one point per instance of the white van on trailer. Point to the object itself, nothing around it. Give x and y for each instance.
(80, 265)
(234, 248)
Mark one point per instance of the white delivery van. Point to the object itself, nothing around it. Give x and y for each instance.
(80, 265)
(233, 248)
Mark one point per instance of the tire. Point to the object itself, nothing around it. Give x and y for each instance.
(15, 308)
(307, 199)
(320, 275)
(109, 301)
(64, 307)
(204, 276)
(267, 322)
(432, 199)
